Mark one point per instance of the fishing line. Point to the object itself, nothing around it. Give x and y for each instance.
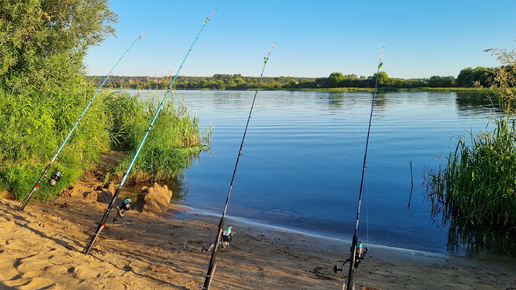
(223, 236)
(357, 250)
(367, 210)
(56, 176)
(102, 222)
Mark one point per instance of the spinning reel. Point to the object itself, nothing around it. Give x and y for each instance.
(125, 206)
(360, 253)
(225, 238)
(54, 177)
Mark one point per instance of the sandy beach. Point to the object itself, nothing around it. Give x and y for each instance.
(41, 249)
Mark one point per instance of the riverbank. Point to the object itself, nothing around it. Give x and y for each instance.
(41, 249)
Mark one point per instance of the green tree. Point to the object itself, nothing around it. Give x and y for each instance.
(441, 82)
(465, 79)
(335, 79)
(43, 42)
(383, 79)
(468, 77)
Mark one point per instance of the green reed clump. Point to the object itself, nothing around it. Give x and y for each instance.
(174, 140)
(124, 115)
(33, 127)
(478, 184)
(156, 163)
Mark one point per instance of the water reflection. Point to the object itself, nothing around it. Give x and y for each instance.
(463, 238)
(336, 100)
(476, 102)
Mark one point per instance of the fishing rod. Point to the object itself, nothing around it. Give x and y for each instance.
(102, 222)
(56, 175)
(224, 236)
(357, 248)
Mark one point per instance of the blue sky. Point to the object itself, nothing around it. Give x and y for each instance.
(313, 38)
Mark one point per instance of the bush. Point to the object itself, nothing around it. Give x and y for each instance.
(33, 127)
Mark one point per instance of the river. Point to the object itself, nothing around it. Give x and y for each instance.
(303, 155)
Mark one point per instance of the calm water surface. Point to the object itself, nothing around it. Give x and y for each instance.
(303, 154)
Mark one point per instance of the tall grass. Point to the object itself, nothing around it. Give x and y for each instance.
(477, 188)
(478, 184)
(175, 139)
(33, 126)
(124, 115)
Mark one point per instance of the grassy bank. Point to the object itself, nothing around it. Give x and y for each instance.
(393, 89)
(32, 129)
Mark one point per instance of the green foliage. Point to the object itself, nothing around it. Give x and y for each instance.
(174, 140)
(217, 82)
(32, 128)
(478, 185)
(468, 77)
(43, 90)
(20, 179)
(336, 79)
(441, 82)
(42, 43)
(31, 131)
(123, 115)
(156, 162)
(383, 79)
(502, 80)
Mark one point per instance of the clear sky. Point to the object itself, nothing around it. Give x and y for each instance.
(313, 37)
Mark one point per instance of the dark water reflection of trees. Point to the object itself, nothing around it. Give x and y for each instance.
(465, 101)
(476, 101)
(474, 240)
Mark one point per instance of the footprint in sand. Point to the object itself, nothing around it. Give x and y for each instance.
(32, 283)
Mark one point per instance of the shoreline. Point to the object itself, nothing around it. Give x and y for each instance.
(278, 231)
(182, 211)
(340, 245)
(41, 249)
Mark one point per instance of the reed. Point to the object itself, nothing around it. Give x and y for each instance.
(33, 125)
(176, 138)
(123, 114)
(478, 184)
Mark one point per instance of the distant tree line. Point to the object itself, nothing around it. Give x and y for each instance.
(467, 78)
